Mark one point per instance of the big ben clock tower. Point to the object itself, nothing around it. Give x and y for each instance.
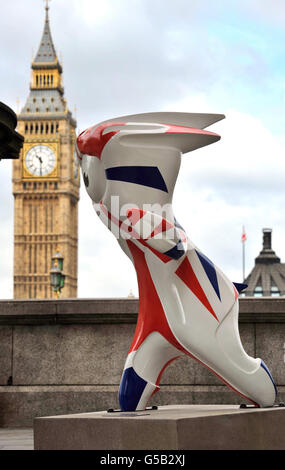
(45, 181)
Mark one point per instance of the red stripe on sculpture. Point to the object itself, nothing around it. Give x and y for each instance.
(173, 129)
(187, 275)
(92, 141)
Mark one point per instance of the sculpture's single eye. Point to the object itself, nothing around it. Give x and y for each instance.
(86, 179)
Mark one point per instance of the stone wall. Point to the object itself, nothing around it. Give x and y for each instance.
(67, 356)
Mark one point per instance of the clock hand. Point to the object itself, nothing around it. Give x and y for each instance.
(41, 162)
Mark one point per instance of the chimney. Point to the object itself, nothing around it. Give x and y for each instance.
(267, 255)
(267, 238)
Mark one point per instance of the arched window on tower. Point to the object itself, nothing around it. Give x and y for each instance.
(258, 292)
(51, 79)
(274, 291)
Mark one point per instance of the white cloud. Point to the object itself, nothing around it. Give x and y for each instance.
(275, 11)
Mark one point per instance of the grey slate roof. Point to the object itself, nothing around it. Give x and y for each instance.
(46, 51)
(268, 275)
(43, 101)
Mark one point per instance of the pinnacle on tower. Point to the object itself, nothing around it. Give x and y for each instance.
(46, 51)
(46, 97)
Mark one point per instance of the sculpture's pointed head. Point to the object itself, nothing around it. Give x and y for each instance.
(152, 133)
(182, 131)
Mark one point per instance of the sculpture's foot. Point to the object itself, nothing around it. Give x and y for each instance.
(134, 391)
(245, 406)
(143, 370)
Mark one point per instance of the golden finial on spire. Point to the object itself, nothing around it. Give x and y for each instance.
(47, 9)
(47, 3)
(18, 105)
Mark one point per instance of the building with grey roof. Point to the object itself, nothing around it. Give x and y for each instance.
(267, 278)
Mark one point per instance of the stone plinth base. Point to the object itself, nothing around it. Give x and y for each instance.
(182, 427)
(19, 405)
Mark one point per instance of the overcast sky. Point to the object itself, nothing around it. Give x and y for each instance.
(131, 56)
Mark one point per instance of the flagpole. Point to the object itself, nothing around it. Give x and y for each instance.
(243, 261)
(243, 239)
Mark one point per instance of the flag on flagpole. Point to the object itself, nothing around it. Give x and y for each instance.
(243, 235)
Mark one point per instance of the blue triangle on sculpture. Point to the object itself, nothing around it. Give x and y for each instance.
(210, 271)
(240, 286)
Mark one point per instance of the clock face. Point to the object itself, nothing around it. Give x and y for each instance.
(40, 160)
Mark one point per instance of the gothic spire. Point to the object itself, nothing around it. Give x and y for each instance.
(46, 52)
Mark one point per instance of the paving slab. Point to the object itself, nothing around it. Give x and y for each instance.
(16, 439)
(184, 427)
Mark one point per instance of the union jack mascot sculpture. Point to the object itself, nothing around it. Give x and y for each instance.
(186, 304)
